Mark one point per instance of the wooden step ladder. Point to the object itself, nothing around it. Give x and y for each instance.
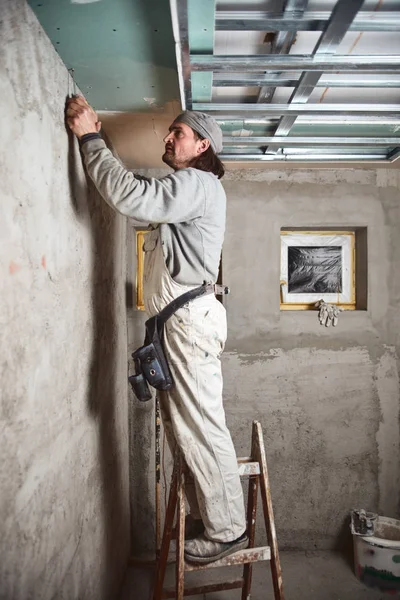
(253, 467)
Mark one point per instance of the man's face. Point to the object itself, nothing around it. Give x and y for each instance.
(182, 146)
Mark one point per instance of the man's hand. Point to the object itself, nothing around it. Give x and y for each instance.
(81, 118)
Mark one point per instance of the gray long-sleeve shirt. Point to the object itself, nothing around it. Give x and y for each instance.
(189, 205)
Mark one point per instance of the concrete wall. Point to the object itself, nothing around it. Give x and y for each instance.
(64, 526)
(327, 398)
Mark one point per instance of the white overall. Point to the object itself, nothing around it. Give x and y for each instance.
(192, 411)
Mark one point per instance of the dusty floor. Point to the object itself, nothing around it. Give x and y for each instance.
(306, 576)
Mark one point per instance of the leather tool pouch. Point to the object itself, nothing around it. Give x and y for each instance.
(150, 363)
(151, 366)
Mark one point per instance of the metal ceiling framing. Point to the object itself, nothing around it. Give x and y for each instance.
(308, 21)
(283, 41)
(303, 128)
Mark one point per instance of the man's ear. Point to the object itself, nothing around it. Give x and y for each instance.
(203, 146)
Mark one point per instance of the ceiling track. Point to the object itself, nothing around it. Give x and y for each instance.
(308, 21)
(282, 42)
(201, 72)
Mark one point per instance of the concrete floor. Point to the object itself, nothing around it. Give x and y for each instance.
(306, 576)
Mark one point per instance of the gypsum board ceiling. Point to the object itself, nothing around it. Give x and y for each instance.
(122, 51)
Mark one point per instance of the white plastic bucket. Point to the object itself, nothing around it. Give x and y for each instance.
(377, 557)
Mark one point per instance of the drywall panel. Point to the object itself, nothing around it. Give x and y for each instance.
(122, 52)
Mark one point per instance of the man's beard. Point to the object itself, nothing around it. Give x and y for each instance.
(170, 159)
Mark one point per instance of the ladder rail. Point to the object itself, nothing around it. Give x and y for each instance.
(180, 533)
(276, 570)
(254, 467)
(251, 521)
(166, 539)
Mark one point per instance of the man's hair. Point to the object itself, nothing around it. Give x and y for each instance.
(208, 160)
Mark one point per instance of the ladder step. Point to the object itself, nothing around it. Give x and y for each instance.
(248, 467)
(206, 589)
(249, 555)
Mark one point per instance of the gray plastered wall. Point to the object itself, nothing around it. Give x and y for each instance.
(64, 508)
(327, 398)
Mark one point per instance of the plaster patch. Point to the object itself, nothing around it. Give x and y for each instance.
(151, 102)
(327, 387)
(388, 178)
(246, 359)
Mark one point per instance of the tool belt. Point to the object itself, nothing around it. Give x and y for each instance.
(151, 366)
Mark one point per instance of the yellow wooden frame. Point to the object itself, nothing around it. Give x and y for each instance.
(310, 305)
(140, 233)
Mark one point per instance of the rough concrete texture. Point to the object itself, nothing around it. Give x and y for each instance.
(306, 576)
(327, 398)
(64, 527)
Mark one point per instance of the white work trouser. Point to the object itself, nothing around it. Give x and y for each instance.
(192, 411)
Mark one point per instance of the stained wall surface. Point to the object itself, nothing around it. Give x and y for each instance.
(327, 398)
(64, 500)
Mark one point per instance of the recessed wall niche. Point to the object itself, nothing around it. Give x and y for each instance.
(323, 263)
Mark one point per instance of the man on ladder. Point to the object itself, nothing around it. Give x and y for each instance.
(187, 212)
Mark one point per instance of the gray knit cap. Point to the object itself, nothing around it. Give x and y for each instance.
(205, 125)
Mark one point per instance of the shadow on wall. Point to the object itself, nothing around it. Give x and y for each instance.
(141, 436)
(91, 209)
(142, 483)
(344, 542)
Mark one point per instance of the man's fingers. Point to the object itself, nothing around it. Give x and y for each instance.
(76, 107)
(74, 111)
(79, 100)
(79, 109)
(81, 117)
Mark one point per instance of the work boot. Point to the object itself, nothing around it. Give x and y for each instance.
(193, 527)
(202, 550)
